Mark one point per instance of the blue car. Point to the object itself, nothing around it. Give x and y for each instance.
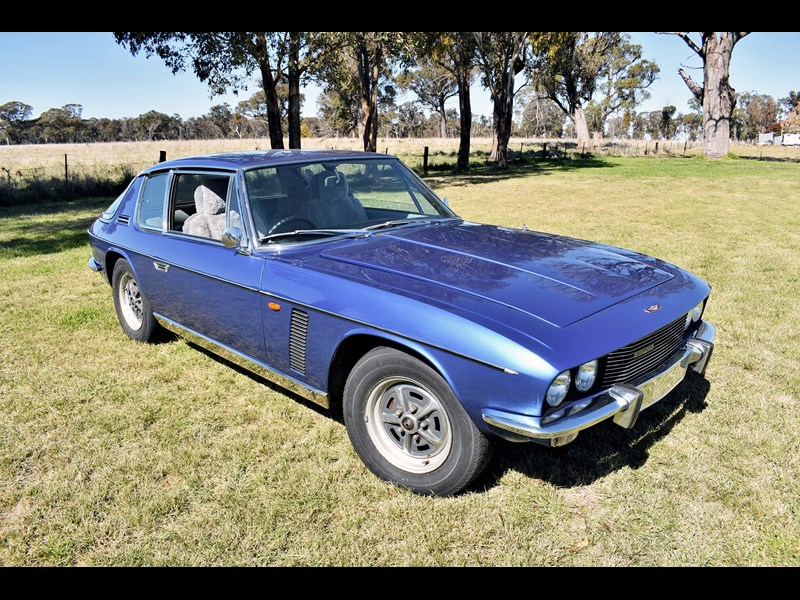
(344, 278)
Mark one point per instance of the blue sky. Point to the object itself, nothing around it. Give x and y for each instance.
(49, 70)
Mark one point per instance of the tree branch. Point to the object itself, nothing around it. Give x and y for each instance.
(696, 90)
(685, 37)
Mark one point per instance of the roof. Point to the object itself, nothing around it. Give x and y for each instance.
(266, 158)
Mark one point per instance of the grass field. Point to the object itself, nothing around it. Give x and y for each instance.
(113, 452)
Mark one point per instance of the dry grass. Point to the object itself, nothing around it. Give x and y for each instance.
(112, 452)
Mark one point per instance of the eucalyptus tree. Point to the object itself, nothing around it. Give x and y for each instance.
(716, 94)
(501, 56)
(433, 85)
(228, 60)
(362, 61)
(570, 67)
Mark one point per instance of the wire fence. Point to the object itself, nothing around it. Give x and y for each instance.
(65, 171)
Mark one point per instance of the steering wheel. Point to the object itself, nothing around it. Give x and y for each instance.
(298, 223)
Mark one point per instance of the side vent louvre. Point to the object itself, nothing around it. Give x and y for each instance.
(123, 219)
(298, 334)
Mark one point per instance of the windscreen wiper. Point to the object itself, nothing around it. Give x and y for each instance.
(314, 233)
(415, 221)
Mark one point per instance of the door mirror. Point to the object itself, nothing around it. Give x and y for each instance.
(446, 201)
(232, 237)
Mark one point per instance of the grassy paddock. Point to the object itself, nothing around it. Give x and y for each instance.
(113, 452)
(32, 173)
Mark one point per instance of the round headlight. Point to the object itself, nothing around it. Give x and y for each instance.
(558, 389)
(587, 373)
(697, 312)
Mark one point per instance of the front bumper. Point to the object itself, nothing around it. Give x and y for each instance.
(623, 402)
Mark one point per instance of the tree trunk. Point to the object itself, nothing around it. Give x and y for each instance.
(271, 95)
(465, 111)
(442, 119)
(503, 114)
(581, 129)
(376, 73)
(718, 96)
(294, 89)
(368, 84)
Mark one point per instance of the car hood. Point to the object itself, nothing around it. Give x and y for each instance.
(556, 279)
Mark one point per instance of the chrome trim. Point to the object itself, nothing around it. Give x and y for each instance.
(622, 401)
(301, 389)
(389, 331)
(161, 266)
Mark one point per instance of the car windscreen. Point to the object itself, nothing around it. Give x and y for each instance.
(332, 196)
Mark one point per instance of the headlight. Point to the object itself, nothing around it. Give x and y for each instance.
(587, 373)
(697, 312)
(558, 389)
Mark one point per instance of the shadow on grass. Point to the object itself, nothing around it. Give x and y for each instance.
(780, 159)
(599, 450)
(489, 173)
(21, 235)
(596, 452)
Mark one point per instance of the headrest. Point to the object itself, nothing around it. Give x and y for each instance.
(330, 185)
(207, 201)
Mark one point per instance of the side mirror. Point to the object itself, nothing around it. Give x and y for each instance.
(232, 237)
(446, 201)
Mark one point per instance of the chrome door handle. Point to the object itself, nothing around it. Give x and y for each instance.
(161, 266)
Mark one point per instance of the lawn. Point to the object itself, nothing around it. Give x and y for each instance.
(118, 453)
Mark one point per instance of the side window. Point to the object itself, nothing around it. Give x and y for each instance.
(198, 204)
(151, 202)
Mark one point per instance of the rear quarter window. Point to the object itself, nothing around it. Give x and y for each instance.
(151, 203)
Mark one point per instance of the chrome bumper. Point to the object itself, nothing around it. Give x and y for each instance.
(623, 402)
(94, 266)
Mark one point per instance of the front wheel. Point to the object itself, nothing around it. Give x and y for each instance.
(133, 310)
(408, 427)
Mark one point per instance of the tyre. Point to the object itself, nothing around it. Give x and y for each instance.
(408, 427)
(133, 310)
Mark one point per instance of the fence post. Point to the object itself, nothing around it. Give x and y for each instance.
(425, 161)
(66, 174)
(544, 150)
(684, 148)
(656, 150)
(162, 156)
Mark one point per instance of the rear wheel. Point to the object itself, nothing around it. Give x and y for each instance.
(408, 427)
(133, 310)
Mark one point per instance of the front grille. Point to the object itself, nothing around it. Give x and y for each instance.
(298, 333)
(634, 360)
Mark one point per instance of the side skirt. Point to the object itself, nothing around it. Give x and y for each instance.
(301, 389)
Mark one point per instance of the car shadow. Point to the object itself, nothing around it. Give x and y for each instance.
(596, 452)
(599, 450)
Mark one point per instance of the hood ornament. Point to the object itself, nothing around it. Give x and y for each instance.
(653, 308)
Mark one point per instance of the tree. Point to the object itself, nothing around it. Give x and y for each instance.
(501, 55)
(716, 94)
(667, 124)
(433, 85)
(226, 59)
(12, 115)
(791, 101)
(454, 51)
(570, 66)
(361, 65)
(539, 117)
(624, 77)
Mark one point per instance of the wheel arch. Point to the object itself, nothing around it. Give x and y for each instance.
(112, 256)
(354, 346)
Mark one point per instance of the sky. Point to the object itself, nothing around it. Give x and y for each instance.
(51, 69)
